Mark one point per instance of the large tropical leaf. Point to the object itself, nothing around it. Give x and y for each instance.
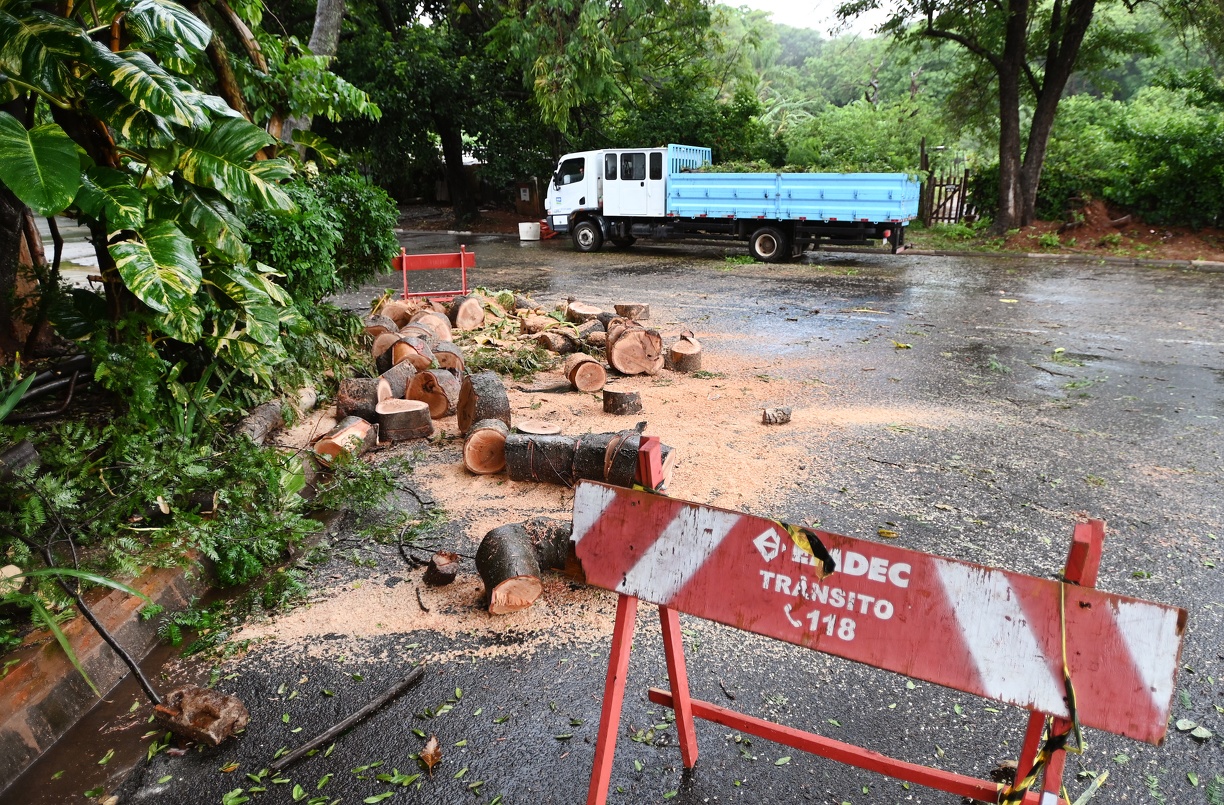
(40, 166)
(142, 82)
(327, 153)
(221, 159)
(161, 268)
(207, 214)
(161, 19)
(31, 45)
(185, 322)
(110, 195)
(242, 286)
(134, 125)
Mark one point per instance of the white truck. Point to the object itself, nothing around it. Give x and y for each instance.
(618, 195)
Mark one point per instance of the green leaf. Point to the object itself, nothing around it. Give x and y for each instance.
(141, 81)
(378, 797)
(41, 615)
(40, 166)
(13, 396)
(84, 575)
(159, 19)
(243, 287)
(31, 48)
(110, 195)
(221, 159)
(130, 122)
(326, 153)
(161, 269)
(782, 761)
(208, 218)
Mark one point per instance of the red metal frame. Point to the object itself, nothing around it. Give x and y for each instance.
(1083, 563)
(462, 260)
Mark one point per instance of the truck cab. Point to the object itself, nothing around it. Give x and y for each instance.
(609, 182)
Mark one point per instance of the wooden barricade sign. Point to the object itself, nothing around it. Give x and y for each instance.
(981, 630)
(461, 260)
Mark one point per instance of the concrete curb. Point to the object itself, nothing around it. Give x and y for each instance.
(43, 696)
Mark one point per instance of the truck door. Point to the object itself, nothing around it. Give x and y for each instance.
(570, 188)
(656, 187)
(629, 195)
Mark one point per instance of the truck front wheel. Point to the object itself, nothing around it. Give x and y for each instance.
(587, 237)
(769, 245)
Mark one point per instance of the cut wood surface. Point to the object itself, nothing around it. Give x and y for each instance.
(558, 341)
(509, 569)
(597, 339)
(537, 427)
(547, 459)
(776, 416)
(578, 312)
(449, 357)
(440, 306)
(634, 350)
(482, 396)
(422, 332)
(685, 354)
(550, 541)
(400, 420)
(376, 325)
(399, 311)
(414, 350)
(435, 321)
(442, 568)
(632, 310)
(382, 343)
(352, 435)
(398, 377)
(622, 402)
(358, 396)
(584, 372)
(261, 421)
(484, 449)
(437, 387)
(669, 457)
(466, 313)
(533, 324)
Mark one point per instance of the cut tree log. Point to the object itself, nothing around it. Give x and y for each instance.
(685, 354)
(632, 310)
(440, 306)
(484, 450)
(622, 402)
(533, 324)
(449, 357)
(422, 332)
(776, 416)
(398, 377)
(437, 387)
(584, 372)
(537, 427)
(382, 344)
(621, 458)
(547, 459)
(352, 436)
(202, 715)
(466, 313)
(482, 396)
(607, 318)
(377, 324)
(414, 350)
(558, 341)
(587, 328)
(435, 321)
(442, 569)
(669, 456)
(550, 541)
(578, 312)
(591, 450)
(400, 420)
(634, 350)
(524, 303)
(359, 396)
(261, 421)
(399, 311)
(509, 569)
(598, 339)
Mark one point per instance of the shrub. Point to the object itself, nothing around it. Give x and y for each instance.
(367, 226)
(864, 137)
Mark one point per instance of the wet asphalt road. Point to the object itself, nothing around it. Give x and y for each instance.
(1079, 388)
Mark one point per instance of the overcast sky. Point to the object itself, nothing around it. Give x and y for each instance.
(817, 14)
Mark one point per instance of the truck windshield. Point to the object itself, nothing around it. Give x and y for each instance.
(571, 170)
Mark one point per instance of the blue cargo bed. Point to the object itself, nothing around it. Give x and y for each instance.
(833, 197)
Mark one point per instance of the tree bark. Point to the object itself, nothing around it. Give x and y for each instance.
(218, 59)
(1010, 68)
(12, 211)
(324, 39)
(462, 201)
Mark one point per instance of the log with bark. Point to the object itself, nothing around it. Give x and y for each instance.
(547, 459)
(584, 372)
(622, 402)
(377, 324)
(442, 569)
(598, 339)
(524, 303)
(399, 311)
(359, 396)
(578, 312)
(482, 396)
(352, 436)
(438, 322)
(466, 313)
(484, 449)
(398, 377)
(550, 541)
(590, 452)
(261, 421)
(509, 568)
(558, 341)
(400, 420)
(383, 344)
(533, 324)
(621, 458)
(634, 350)
(437, 387)
(685, 354)
(632, 310)
(16, 458)
(449, 357)
(776, 416)
(589, 328)
(422, 332)
(412, 349)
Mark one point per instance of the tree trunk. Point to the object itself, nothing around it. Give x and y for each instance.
(399, 420)
(1010, 69)
(462, 201)
(438, 388)
(324, 39)
(482, 396)
(508, 566)
(634, 350)
(466, 313)
(484, 450)
(360, 396)
(12, 212)
(548, 459)
(218, 59)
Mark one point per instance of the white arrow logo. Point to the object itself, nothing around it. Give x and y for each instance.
(768, 544)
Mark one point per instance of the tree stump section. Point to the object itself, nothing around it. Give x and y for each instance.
(559, 342)
(359, 396)
(442, 569)
(351, 436)
(466, 313)
(538, 427)
(449, 357)
(422, 332)
(399, 311)
(634, 350)
(589, 453)
(550, 541)
(578, 312)
(400, 420)
(509, 569)
(482, 396)
(685, 354)
(435, 321)
(382, 344)
(408, 348)
(621, 458)
(438, 388)
(484, 450)
(260, 422)
(376, 325)
(632, 310)
(622, 402)
(547, 459)
(776, 416)
(398, 377)
(533, 324)
(584, 372)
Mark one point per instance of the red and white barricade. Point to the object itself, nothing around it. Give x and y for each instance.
(1026, 641)
(461, 260)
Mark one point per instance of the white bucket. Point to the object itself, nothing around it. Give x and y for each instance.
(529, 231)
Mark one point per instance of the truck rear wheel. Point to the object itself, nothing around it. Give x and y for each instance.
(587, 237)
(769, 245)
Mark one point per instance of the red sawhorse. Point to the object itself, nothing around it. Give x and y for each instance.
(993, 633)
(461, 260)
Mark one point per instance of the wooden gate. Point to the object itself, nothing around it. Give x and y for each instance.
(943, 198)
